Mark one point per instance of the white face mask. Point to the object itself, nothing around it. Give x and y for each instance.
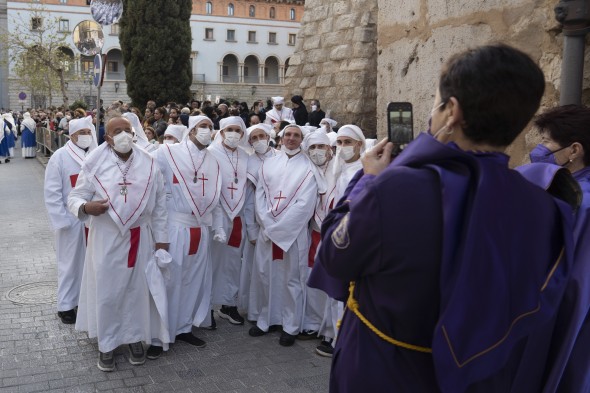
(346, 152)
(84, 141)
(318, 156)
(231, 139)
(204, 136)
(169, 142)
(260, 146)
(289, 151)
(123, 142)
(314, 108)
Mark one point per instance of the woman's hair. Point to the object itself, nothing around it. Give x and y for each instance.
(567, 124)
(499, 89)
(150, 129)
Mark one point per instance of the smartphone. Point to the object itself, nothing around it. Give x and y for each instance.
(400, 125)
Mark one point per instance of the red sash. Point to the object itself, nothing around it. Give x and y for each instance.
(195, 234)
(133, 247)
(315, 242)
(235, 239)
(73, 180)
(277, 252)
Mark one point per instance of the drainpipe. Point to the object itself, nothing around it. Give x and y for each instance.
(574, 15)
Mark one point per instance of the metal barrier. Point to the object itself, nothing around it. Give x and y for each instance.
(49, 141)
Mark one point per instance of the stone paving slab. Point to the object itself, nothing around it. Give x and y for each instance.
(40, 354)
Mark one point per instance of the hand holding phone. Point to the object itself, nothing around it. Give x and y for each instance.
(400, 125)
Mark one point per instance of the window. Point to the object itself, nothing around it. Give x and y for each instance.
(292, 39)
(292, 13)
(112, 66)
(272, 14)
(225, 70)
(209, 33)
(115, 29)
(272, 38)
(87, 65)
(251, 36)
(231, 35)
(64, 25)
(252, 11)
(230, 9)
(36, 23)
(209, 8)
(63, 1)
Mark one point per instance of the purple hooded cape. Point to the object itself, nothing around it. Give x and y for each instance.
(501, 252)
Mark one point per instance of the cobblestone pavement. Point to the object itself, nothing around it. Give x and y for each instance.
(40, 354)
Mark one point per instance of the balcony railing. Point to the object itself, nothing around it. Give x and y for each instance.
(198, 78)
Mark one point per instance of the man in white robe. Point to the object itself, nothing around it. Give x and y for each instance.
(70, 240)
(140, 137)
(175, 133)
(192, 180)
(120, 194)
(350, 146)
(258, 138)
(285, 200)
(279, 112)
(229, 237)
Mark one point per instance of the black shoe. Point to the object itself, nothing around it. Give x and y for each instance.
(154, 352)
(325, 349)
(67, 317)
(255, 331)
(190, 339)
(231, 314)
(106, 361)
(213, 323)
(136, 353)
(287, 339)
(308, 335)
(7, 161)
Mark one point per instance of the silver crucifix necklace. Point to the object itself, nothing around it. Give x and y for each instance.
(126, 166)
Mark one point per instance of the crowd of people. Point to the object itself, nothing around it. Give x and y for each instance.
(447, 270)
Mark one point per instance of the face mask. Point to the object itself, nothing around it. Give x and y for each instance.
(204, 136)
(123, 142)
(168, 142)
(314, 108)
(542, 153)
(84, 141)
(232, 139)
(318, 156)
(346, 152)
(261, 146)
(289, 151)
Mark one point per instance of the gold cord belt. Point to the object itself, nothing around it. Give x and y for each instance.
(353, 306)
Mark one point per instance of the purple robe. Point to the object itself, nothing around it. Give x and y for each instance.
(452, 251)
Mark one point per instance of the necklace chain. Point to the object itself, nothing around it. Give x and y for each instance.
(126, 164)
(235, 168)
(193, 162)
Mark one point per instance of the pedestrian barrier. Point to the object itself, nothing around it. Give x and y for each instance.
(49, 141)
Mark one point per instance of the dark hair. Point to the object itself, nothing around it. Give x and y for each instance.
(499, 89)
(567, 124)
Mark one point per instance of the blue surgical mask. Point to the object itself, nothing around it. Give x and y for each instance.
(541, 153)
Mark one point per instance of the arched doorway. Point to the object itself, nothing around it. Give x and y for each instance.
(251, 74)
(271, 70)
(229, 69)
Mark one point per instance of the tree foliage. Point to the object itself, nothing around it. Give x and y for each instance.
(155, 37)
(36, 56)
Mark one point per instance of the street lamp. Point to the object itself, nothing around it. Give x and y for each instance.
(116, 86)
(253, 90)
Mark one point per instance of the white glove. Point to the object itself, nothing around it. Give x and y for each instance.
(220, 236)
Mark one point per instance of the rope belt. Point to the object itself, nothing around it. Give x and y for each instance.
(353, 306)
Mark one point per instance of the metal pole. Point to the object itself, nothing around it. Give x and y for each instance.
(574, 15)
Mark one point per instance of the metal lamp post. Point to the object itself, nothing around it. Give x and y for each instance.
(574, 15)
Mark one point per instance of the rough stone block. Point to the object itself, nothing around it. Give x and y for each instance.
(295, 60)
(341, 52)
(325, 26)
(359, 64)
(319, 13)
(364, 49)
(403, 12)
(347, 21)
(365, 34)
(439, 10)
(332, 39)
(340, 7)
(312, 42)
(309, 69)
(324, 80)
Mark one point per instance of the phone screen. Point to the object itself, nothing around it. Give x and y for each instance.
(400, 125)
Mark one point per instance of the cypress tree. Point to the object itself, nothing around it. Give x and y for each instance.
(155, 37)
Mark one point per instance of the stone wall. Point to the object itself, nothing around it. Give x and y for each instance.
(416, 37)
(335, 60)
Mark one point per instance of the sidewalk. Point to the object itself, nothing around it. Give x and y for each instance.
(40, 354)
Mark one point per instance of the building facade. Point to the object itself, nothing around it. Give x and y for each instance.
(240, 49)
